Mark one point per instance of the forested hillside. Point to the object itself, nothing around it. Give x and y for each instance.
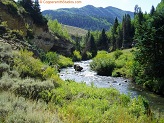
(88, 17)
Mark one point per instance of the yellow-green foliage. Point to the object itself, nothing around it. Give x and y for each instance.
(103, 64)
(64, 61)
(77, 56)
(117, 63)
(58, 61)
(124, 64)
(27, 65)
(79, 103)
(56, 28)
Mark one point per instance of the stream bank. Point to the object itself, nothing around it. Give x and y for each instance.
(123, 85)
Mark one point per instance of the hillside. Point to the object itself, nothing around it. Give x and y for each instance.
(88, 17)
(75, 31)
(25, 26)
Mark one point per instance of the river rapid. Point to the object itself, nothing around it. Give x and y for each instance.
(125, 86)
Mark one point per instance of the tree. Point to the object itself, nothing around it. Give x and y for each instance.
(33, 9)
(119, 38)
(77, 43)
(90, 46)
(128, 31)
(152, 10)
(149, 55)
(103, 41)
(114, 34)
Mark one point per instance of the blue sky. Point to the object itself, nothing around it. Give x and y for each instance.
(122, 4)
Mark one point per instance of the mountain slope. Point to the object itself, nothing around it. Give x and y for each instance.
(17, 22)
(88, 17)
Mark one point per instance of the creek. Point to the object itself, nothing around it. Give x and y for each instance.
(124, 85)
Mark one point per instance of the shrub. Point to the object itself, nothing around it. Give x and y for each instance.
(64, 62)
(26, 65)
(30, 88)
(4, 68)
(103, 64)
(86, 55)
(76, 56)
(49, 72)
(17, 33)
(52, 58)
(117, 54)
(6, 55)
(20, 110)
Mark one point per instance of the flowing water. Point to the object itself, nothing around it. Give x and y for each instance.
(123, 85)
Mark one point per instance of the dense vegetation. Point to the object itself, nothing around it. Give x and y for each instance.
(88, 17)
(32, 91)
(25, 80)
(145, 32)
(149, 56)
(118, 63)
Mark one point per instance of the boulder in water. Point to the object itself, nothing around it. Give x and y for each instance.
(77, 67)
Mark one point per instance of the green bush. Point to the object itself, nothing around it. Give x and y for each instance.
(28, 88)
(117, 63)
(26, 65)
(117, 54)
(103, 64)
(6, 55)
(4, 68)
(52, 58)
(76, 56)
(64, 62)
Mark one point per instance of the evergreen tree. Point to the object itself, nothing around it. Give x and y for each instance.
(90, 47)
(119, 37)
(152, 10)
(114, 34)
(103, 41)
(150, 54)
(127, 31)
(77, 43)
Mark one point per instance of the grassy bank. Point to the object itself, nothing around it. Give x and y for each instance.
(31, 91)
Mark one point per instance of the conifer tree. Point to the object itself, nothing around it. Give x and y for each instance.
(103, 41)
(114, 34)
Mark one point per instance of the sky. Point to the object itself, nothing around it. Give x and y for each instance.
(127, 5)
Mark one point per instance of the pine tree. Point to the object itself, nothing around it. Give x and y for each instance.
(119, 38)
(90, 46)
(114, 34)
(127, 31)
(103, 41)
(152, 10)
